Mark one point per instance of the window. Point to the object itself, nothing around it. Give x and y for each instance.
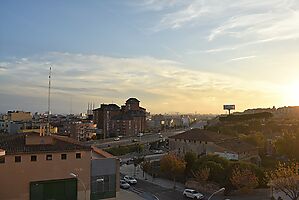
(17, 158)
(78, 155)
(49, 157)
(63, 156)
(33, 158)
(2, 159)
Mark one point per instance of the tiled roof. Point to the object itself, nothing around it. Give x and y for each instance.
(16, 144)
(201, 135)
(224, 142)
(236, 145)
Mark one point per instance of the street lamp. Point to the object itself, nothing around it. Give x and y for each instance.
(220, 190)
(76, 176)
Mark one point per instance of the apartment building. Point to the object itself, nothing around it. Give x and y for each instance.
(112, 120)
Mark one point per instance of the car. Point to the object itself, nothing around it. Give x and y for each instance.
(140, 134)
(190, 193)
(158, 151)
(134, 140)
(130, 180)
(160, 136)
(116, 139)
(124, 185)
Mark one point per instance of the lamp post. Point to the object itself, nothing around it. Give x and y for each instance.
(220, 190)
(76, 176)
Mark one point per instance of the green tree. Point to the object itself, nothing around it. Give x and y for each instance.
(190, 159)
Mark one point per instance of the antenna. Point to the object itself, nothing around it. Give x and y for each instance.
(49, 102)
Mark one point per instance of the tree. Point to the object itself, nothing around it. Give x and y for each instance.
(285, 179)
(243, 179)
(173, 166)
(288, 145)
(202, 175)
(136, 162)
(146, 167)
(190, 159)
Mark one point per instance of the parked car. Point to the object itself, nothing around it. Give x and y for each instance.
(124, 184)
(192, 194)
(158, 151)
(134, 140)
(130, 161)
(130, 179)
(116, 139)
(160, 136)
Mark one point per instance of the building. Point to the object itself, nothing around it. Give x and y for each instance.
(39, 167)
(55, 167)
(112, 120)
(82, 130)
(104, 167)
(20, 116)
(203, 142)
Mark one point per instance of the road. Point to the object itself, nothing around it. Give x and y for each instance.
(147, 189)
(146, 138)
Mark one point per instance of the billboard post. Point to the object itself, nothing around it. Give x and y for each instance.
(229, 108)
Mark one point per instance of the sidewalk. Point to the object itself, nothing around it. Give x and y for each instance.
(168, 184)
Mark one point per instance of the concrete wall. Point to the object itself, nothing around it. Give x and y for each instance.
(108, 170)
(16, 177)
(181, 146)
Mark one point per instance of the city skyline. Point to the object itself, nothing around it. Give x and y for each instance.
(174, 56)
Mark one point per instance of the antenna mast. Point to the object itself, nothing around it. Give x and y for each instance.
(49, 101)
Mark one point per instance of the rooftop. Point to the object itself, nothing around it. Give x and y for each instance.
(16, 144)
(236, 145)
(131, 100)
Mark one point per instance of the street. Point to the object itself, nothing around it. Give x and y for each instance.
(146, 138)
(149, 188)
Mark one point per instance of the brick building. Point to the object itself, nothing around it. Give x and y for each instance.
(113, 120)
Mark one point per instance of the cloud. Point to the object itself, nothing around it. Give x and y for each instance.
(105, 79)
(242, 58)
(245, 20)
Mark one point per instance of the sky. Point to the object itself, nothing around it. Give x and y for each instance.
(188, 56)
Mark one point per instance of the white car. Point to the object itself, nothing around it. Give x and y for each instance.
(124, 185)
(192, 194)
(140, 134)
(130, 180)
(116, 139)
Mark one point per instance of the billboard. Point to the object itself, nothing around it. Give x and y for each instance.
(229, 107)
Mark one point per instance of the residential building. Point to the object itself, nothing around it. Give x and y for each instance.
(113, 120)
(39, 167)
(82, 130)
(204, 142)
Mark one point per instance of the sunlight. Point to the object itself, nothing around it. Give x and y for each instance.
(291, 94)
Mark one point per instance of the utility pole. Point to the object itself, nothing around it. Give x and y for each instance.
(49, 102)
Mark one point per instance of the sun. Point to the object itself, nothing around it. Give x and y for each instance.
(291, 94)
